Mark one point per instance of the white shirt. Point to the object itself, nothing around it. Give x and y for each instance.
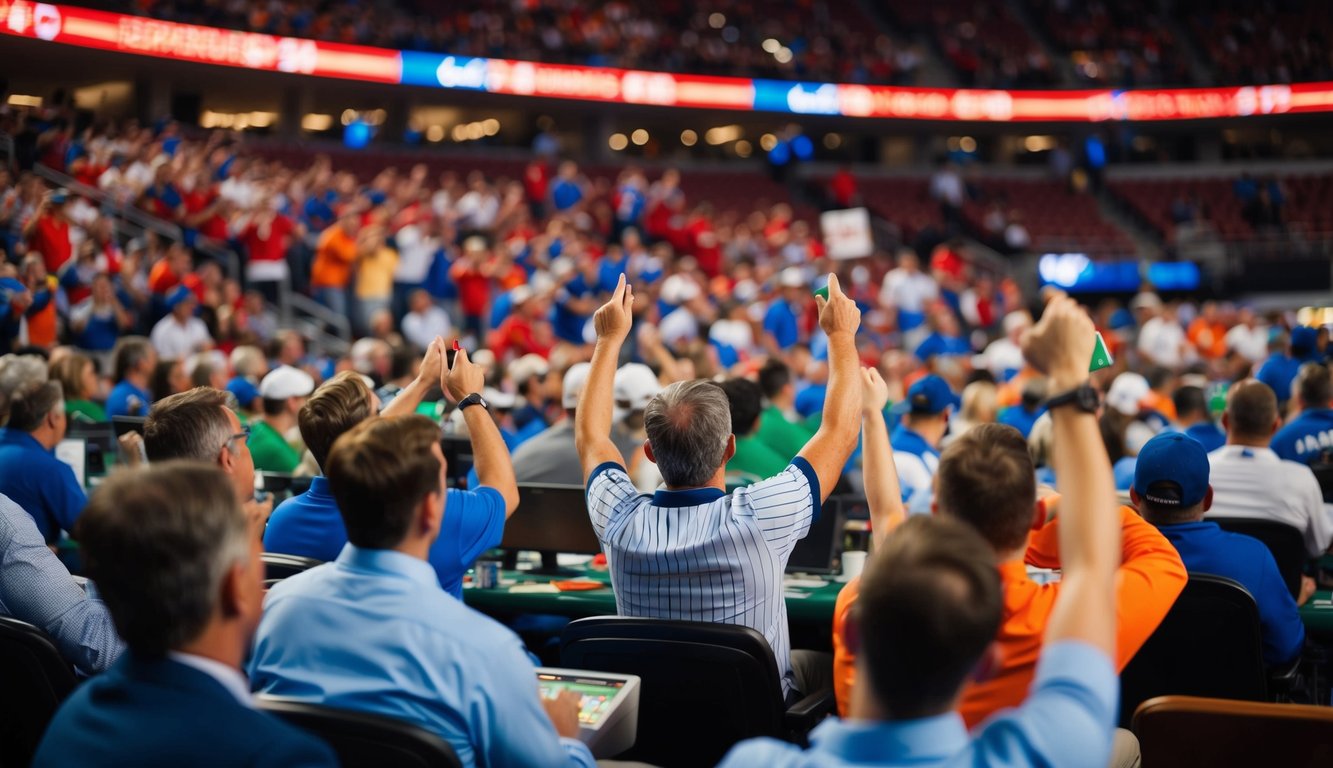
(908, 291)
(421, 328)
(1255, 482)
(415, 255)
(1249, 343)
(1161, 341)
(227, 677)
(178, 341)
(704, 554)
(947, 187)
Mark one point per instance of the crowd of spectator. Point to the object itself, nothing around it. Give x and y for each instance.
(1245, 43)
(1117, 44)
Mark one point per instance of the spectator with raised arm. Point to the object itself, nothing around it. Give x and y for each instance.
(932, 602)
(746, 536)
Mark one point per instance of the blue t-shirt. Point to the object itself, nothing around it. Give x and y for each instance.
(569, 324)
(1020, 418)
(127, 400)
(781, 321)
(309, 525)
(565, 194)
(810, 400)
(44, 486)
(1277, 372)
(1205, 548)
(1208, 434)
(609, 272)
(100, 334)
(1305, 438)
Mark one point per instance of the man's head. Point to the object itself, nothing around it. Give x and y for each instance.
(929, 607)
(34, 403)
(986, 479)
(387, 476)
(689, 433)
(199, 425)
(1171, 480)
(1251, 416)
(1191, 405)
(743, 397)
(1313, 386)
(338, 405)
(284, 390)
(173, 556)
(134, 356)
(926, 409)
(775, 381)
(249, 362)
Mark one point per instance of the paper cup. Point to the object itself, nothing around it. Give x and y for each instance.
(853, 563)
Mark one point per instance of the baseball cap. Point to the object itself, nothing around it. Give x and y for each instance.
(1146, 300)
(928, 395)
(179, 295)
(244, 390)
(527, 367)
(575, 378)
(497, 399)
(1172, 471)
(1127, 392)
(636, 384)
(284, 382)
(1304, 341)
(792, 277)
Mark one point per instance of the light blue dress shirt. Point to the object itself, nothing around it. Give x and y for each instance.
(1067, 720)
(36, 588)
(374, 632)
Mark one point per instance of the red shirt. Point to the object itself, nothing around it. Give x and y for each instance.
(536, 180)
(51, 239)
(474, 288)
(270, 248)
(946, 261)
(516, 333)
(843, 187)
(704, 246)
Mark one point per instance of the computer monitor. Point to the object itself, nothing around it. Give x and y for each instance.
(103, 450)
(551, 519)
(127, 424)
(608, 706)
(458, 460)
(818, 551)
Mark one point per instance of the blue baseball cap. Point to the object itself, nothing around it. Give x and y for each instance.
(178, 295)
(1304, 342)
(1172, 471)
(244, 390)
(929, 395)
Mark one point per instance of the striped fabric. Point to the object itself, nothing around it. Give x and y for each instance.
(703, 554)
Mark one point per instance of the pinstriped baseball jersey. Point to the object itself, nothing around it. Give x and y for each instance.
(703, 554)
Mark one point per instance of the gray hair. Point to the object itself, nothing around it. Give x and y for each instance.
(247, 360)
(688, 425)
(26, 393)
(158, 542)
(189, 425)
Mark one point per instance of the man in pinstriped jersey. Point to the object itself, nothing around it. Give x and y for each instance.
(692, 551)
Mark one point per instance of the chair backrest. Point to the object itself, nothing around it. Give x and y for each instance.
(278, 566)
(704, 686)
(363, 740)
(1323, 472)
(34, 680)
(1221, 733)
(1285, 542)
(1209, 644)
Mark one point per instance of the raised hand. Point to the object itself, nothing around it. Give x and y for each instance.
(874, 392)
(614, 318)
(432, 365)
(464, 378)
(837, 314)
(1060, 344)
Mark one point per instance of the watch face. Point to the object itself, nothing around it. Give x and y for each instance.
(1088, 399)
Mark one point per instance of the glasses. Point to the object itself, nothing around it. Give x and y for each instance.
(244, 434)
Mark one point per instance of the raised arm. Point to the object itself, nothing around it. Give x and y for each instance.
(428, 376)
(592, 421)
(828, 450)
(489, 452)
(1060, 346)
(883, 494)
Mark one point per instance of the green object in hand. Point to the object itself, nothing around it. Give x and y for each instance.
(1101, 356)
(822, 292)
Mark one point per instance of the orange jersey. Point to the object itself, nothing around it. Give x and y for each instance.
(334, 256)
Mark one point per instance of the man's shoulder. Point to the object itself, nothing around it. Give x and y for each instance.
(772, 753)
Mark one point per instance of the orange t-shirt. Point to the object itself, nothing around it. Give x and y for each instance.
(334, 256)
(1149, 580)
(1209, 338)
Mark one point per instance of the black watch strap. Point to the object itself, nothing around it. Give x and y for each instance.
(1083, 397)
(473, 399)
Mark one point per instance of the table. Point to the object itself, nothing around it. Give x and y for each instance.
(1317, 615)
(809, 609)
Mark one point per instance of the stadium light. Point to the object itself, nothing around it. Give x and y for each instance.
(639, 137)
(617, 142)
(689, 138)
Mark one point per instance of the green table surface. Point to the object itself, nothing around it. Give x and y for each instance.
(1317, 615)
(805, 605)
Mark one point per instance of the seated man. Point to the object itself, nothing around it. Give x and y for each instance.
(728, 551)
(36, 588)
(932, 603)
(986, 479)
(135, 360)
(373, 631)
(1250, 480)
(550, 456)
(1194, 419)
(177, 562)
(309, 524)
(283, 392)
(1308, 438)
(1171, 489)
(30, 474)
(753, 457)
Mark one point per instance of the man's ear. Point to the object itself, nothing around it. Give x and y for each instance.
(233, 597)
(430, 513)
(648, 450)
(1137, 500)
(226, 460)
(1226, 425)
(730, 450)
(1208, 499)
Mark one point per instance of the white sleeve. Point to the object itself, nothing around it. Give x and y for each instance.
(610, 494)
(785, 505)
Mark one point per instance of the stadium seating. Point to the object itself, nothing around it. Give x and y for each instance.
(1307, 210)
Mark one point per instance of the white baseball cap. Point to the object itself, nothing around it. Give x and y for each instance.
(575, 378)
(792, 277)
(527, 367)
(636, 384)
(284, 382)
(498, 399)
(1127, 392)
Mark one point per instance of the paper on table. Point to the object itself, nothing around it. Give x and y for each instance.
(74, 453)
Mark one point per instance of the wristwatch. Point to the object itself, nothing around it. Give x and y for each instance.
(473, 399)
(1084, 397)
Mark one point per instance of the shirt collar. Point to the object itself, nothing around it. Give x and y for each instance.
(925, 739)
(227, 677)
(319, 486)
(691, 497)
(905, 439)
(388, 562)
(20, 438)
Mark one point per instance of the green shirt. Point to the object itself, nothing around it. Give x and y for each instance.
(754, 457)
(89, 410)
(781, 436)
(270, 452)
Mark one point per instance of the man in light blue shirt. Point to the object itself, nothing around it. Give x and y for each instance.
(931, 604)
(373, 631)
(692, 551)
(36, 588)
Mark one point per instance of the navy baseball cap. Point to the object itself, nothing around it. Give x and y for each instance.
(1172, 471)
(1304, 342)
(929, 395)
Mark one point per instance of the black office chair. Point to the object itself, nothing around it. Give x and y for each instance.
(1208, 645)
(1286, 543)
(704, 686)
(278, 566)
(363, 740)
(35, 681)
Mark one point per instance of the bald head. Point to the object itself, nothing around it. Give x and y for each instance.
(1251, 417)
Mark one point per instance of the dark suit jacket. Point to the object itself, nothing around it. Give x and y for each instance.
(147, 712)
